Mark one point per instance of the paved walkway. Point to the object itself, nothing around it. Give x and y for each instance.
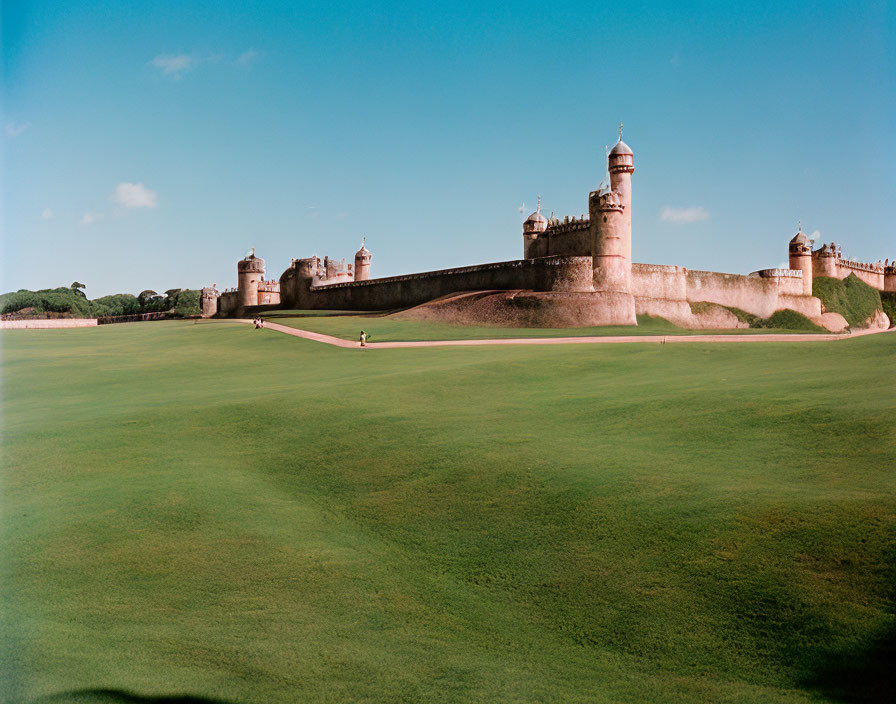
(656, 339)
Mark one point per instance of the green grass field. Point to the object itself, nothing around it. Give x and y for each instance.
(389, 329)
(210, 511)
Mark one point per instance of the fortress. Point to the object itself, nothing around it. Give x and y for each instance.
(574, 272)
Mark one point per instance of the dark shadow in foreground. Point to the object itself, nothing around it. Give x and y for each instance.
(859, 676)
(118, 696)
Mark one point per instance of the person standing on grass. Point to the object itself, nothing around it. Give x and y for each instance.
(363, 339)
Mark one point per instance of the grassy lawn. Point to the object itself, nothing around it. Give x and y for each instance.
(388, 329)
(210, 511)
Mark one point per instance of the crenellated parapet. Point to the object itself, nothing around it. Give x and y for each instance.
(568, 224)
(607, 200)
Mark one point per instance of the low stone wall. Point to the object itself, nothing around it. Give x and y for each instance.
(874, 279)
(46, 324)
(545, 274)
(659, 281)
(660, 290)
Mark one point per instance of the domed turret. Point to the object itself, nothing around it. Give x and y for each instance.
(621, 148)
(536, 222)
(621, 159)
(800, 250)
(362, 262)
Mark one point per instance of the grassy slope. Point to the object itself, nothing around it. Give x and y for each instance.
(850, 297)
(388, 329)
(210, 510)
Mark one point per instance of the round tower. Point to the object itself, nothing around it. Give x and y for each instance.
(362, 262)
(824, 261)
(249, 271)
(533, 228)
(610, 209)
(890, 275)
(208, 305)
(800, 251)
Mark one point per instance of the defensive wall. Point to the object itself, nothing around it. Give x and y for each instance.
(546, 274)
(47, 323)
(658, 289)
(668, 291)
(569, 238)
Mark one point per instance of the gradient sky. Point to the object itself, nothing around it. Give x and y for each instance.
(150, 144)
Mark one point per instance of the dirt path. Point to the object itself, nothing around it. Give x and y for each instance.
(656, 339)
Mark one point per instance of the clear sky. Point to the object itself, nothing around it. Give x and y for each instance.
(150, 144)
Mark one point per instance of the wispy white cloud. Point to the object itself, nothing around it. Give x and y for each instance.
(815, 236)
(173, 64)
(135, 195)
(14, 129)
(90, 218)
(247, 57)
(47, 214)
(522, 208)
(683, 215)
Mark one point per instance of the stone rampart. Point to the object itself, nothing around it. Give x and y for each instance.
(662, 290)
(47, 323)
(659, 281)
(871, 274)
(545, 274)
(570, 238)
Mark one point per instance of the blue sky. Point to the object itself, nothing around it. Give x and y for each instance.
(151, 144)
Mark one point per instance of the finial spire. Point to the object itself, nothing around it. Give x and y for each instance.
(253, 251)
(799, 225)
(620, 131)
(538, 209)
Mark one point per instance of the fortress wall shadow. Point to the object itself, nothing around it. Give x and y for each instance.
(860, 675)
(119, 696)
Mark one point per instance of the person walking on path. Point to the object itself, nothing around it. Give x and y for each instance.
(363, 339)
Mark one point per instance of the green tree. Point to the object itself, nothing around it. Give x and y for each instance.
(147, 300)
(78, 288)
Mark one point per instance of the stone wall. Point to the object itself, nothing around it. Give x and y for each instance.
(44, 324)
(868, 273)
(662, 290)
(542, 275)
(568, 239)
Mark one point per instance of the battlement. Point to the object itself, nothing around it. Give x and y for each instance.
(877, 268)
(250, 264)
(568, 224)
(542, 262)
(778, 273)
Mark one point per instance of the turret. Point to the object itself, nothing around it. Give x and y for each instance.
(890, 275)
(824, 260)
(533, 228)
(249, 270)
(362, 262)
(208, 305)
(800, 251)
(610, 208)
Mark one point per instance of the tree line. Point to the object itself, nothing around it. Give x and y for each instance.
(73, 302)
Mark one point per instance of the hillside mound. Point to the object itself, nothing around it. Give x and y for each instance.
(851, 297)
(466, 308)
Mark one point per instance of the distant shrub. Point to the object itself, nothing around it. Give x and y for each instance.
(187, 303)
(789, 320)
(55, 300)
(850, 297)
(72, 302)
